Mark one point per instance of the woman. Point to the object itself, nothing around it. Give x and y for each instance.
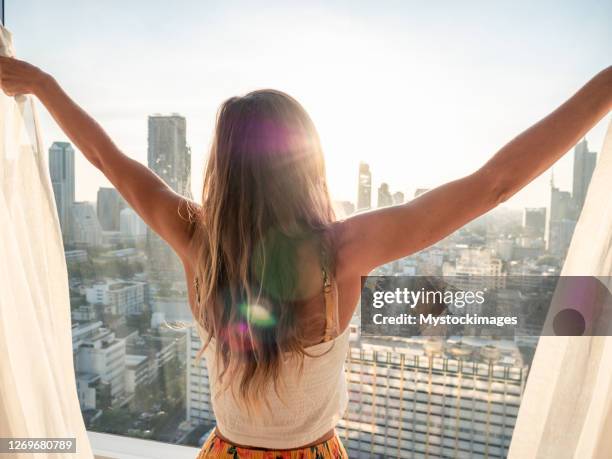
(273, 277)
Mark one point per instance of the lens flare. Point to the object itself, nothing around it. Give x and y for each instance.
(237, 336)
(258, 315)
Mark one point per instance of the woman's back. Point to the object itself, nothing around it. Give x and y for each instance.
(310, 394)
(311, 399)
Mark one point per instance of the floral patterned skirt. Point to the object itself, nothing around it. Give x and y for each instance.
(214, 447)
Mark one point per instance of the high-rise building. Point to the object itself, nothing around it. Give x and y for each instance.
(364, 190)
(560, 236)
(170, 158)
(86, 229)
(398, 198)
(534, 221)
(110, 203)
(564, 207)
(198, 396)
(384, 196)
(425, 399)
(560, 221)
(61, 170)
(584, 165)
(168, 153)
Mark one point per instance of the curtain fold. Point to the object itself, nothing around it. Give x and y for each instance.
(566, 411)
(38, 395)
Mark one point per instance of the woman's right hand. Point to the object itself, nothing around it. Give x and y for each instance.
(19, 77)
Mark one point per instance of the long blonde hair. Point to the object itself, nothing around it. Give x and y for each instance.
(264, 193)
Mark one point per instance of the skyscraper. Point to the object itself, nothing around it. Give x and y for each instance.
(584, 165)
(61, 169)
(170, 158)
(168, 153)
(564, 207)
(561, 232)
(560, 221)
(110, 204)
(364, 191)
(534, 221)
(423, 399)
(384, 196)
(198, 397)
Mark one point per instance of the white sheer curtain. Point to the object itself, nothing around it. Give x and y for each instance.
(566, 410)
(38, 395)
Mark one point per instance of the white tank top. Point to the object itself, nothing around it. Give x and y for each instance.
(311, 404)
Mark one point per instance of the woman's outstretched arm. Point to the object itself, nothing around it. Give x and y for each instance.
(159, 206)
(374, 238)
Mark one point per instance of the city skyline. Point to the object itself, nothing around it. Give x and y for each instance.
(424, 112)
(568, 179)
(126, 284)
(169, 157)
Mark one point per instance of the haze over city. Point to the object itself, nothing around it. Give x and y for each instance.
(389, 84)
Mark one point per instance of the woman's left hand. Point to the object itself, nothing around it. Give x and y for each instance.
(18, 77)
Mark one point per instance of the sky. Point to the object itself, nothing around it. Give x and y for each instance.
(425, 92)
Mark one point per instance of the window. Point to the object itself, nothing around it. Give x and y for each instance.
(393, 100)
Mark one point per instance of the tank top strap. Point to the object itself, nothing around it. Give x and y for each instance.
(330, 302)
